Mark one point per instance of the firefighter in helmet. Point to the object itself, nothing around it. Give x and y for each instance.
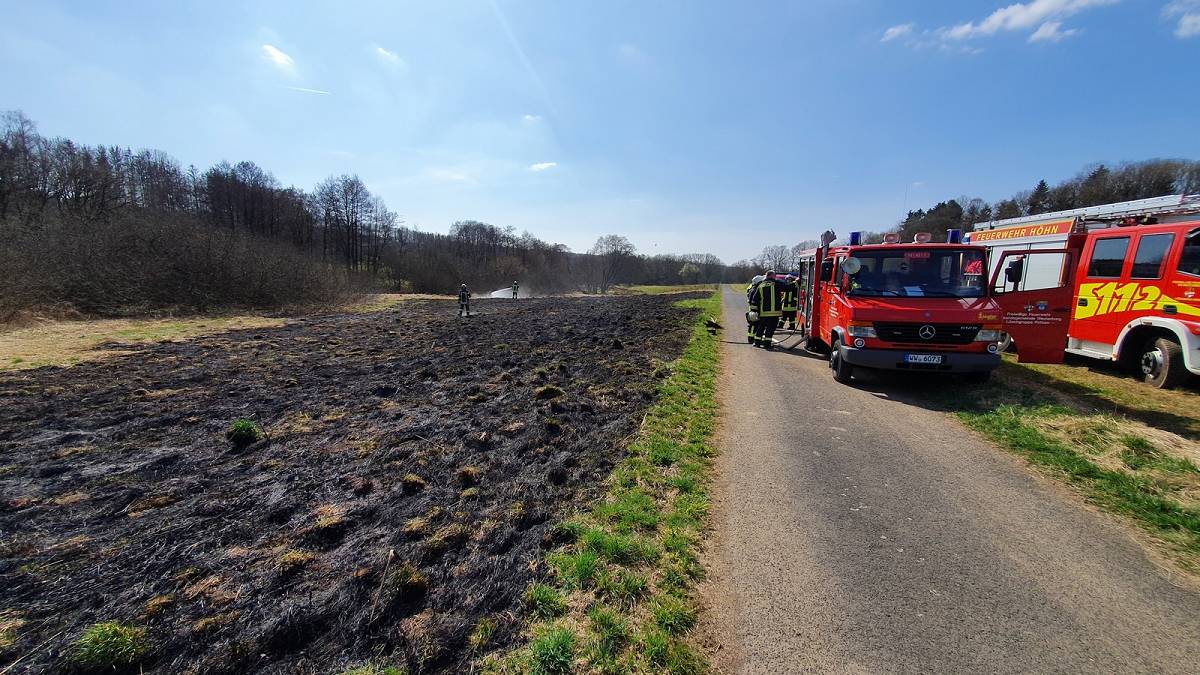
(765, 299)
(758, 279)
(515, 287)
(790, 303)
(464, 301)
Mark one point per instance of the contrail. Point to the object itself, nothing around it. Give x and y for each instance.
(524, 59)
(310, 91)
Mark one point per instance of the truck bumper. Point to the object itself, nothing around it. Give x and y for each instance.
(893, 359)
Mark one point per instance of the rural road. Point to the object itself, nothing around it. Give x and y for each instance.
(855, 532)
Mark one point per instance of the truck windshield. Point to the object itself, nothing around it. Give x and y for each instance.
(939, 273)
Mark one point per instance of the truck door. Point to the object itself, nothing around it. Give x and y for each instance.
(1036, 318)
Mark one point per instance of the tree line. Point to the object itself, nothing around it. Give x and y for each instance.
(1094, 185)
(107, 230)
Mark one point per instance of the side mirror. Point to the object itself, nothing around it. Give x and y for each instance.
(1014, 271)
(827, 269)
(851, 266)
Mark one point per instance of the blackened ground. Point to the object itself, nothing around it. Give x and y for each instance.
(122, 500)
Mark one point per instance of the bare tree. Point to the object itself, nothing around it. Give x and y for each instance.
(612, 254)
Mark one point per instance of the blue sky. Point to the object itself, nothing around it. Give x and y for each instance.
(686, 126)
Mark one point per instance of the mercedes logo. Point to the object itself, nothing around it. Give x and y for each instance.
(927, 332)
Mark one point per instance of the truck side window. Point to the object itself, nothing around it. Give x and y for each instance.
(1108, 257)
(1189, 260)
(1151, 251)
(837, 271)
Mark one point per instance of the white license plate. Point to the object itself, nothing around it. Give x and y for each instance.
(923, 358)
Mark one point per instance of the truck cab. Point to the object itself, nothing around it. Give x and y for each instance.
(917, 306)
(1123, 279)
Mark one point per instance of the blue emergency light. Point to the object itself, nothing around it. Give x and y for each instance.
(855, 238)
(953, 236)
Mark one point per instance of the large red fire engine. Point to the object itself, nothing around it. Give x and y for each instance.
(1118, 282)
(917, 306)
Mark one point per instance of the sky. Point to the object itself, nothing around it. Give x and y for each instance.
(686, 126)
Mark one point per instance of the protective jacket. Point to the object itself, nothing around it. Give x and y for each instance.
(464, 295)
(765, 298)
(790, 301)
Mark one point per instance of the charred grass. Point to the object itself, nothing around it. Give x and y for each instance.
(389, 512)
(615, 593)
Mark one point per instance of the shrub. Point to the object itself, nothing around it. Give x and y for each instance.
(577, 570)
(672, 614)
(406, 582)
(545, 602)
(483, 633)
(412, 483)
(612, 632)
(110, 645)
(547, 392)
(293, 560)
(553, 651)
(244, 432)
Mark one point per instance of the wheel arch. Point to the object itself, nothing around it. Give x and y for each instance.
(1140, 331)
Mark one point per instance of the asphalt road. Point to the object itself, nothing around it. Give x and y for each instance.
(857, 532)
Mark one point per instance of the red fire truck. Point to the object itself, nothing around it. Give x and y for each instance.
(1119, 282)
(919, 306)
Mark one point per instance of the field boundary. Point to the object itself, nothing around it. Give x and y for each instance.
(619, 582)
(1112, 459)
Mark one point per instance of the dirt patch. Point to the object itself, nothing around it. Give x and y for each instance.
(122, 500)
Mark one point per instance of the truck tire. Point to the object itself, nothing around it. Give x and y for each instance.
(1161, 363)
(1007, 344)
(842, 371)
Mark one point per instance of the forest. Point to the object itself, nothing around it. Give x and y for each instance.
(1094, 185)
(105, 230)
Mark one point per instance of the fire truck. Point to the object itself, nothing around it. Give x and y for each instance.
(918, 306)
(1119, 282)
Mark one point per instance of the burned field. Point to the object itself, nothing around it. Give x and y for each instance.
(409, 472)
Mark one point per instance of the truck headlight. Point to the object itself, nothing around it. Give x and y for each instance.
(987, 335)
(861, 331)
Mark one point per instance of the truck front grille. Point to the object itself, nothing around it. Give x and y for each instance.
(943, 333)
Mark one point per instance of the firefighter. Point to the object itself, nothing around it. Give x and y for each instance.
(790, 302)
(464, 301)
(515, 287)
(765, 299)
(758, 279)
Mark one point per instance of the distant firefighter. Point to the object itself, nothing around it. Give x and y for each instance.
(464, 301)
(515, 288)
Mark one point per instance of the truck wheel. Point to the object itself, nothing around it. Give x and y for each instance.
(978, 378)
(1007, 344)
(842, 371)
(1162, 363)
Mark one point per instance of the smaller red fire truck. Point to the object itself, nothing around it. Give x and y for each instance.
(1119, 282)
(918, 306)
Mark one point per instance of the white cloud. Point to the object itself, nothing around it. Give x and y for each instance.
(389, 57)
(542, 166)
(1188, 12)
(1051, 31)
(278, 57)
(900, 31)
(531, 118)
(1022, 16)
(310, 91)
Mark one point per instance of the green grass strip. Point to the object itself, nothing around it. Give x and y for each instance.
(1133, 496)
(630, 562)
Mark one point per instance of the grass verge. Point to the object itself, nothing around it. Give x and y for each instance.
(1142, 467)
(627, 566)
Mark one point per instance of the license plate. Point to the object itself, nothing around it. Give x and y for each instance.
(923, 358)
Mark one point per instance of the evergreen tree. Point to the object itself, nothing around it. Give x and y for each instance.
(1039, 199)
